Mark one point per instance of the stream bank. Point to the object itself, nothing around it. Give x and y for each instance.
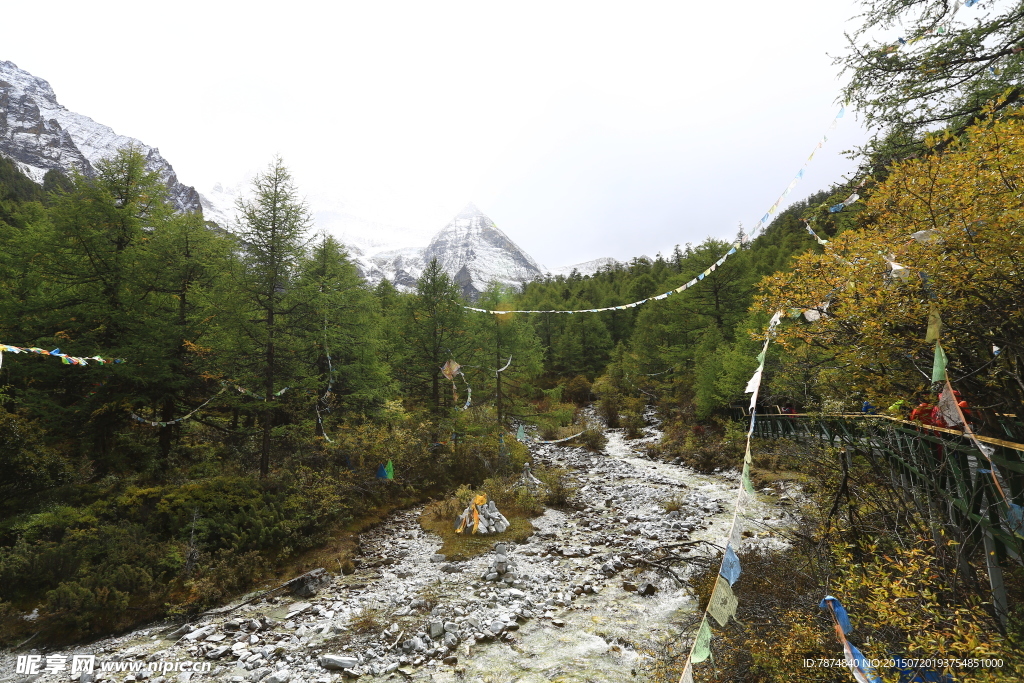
(575, 602)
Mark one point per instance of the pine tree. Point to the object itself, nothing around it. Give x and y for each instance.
(342, 332)
(433, 332)
(273, 231)
(189, 262)
(101, 292)
(500, 338)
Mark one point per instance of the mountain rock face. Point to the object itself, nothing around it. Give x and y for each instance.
(40, 134)
(470, 248)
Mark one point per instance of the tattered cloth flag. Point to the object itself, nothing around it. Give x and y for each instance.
(939, 364)
(814, 314)
(934, 323)
(896, 269)
(702, 643)
(859, 665)
(484, 517)
(948, 408)
(386, 471)
(450, 369)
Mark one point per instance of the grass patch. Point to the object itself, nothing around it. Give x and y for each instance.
(673, 504)
(514, 501)
(466, 545)
(369, 620)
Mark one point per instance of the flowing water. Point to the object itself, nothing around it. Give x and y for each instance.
(574, 614)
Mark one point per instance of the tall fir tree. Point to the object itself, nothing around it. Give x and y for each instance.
(433, 332)
(273, 228)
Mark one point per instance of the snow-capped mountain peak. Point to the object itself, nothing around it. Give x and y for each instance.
(470, 248)
(40, 134)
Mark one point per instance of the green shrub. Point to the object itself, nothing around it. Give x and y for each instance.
(577, 390)
(28, 465)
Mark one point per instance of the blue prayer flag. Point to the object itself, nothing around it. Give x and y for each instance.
(730, 570)
(841, 616)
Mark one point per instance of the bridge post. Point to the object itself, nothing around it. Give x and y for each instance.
(995, 579)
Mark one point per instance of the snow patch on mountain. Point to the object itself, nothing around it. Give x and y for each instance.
(587, 267)
(40, 135)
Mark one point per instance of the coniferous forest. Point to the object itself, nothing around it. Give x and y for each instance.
(253, 387)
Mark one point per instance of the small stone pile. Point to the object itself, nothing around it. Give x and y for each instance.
(482, 517)
(532, 483)
(502, 568)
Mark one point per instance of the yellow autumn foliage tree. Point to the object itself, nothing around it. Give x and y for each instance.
(942, 233)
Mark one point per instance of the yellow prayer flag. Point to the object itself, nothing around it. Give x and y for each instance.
(723, 602)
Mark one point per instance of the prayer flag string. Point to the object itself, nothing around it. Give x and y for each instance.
(761, 224)
(224, 385)
(723, 603)
(151, 423)
(559, 440)
(65, 358)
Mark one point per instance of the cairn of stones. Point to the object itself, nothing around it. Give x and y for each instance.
(532, 483)
(482, 517)
(502, 568)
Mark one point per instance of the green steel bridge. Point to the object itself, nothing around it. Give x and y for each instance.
(941, 471)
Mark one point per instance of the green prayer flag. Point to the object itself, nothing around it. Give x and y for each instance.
(934, 323)
(702, 643)
(939, 364)
(389, 469)
(748, 486)
(521, 434)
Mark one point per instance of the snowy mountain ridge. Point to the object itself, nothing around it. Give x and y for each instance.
(39, 134)
(587, 267)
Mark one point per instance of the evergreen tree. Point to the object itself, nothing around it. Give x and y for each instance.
(190, 262)
(498, 339)
(949, 62)
(433, 332)
(342, 332)
(101, 295)
(273, 230)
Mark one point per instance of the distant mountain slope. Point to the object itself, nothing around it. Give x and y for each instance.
(40, 134)
(587, 267)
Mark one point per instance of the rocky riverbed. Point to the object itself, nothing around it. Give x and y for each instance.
(578, 601)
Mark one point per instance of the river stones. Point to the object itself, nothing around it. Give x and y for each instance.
(338, 662)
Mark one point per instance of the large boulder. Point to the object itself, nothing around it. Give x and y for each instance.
(310, 583)
(338, 662)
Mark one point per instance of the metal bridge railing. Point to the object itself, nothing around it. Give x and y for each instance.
(936, 465)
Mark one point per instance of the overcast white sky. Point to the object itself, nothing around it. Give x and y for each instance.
(583, 129)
